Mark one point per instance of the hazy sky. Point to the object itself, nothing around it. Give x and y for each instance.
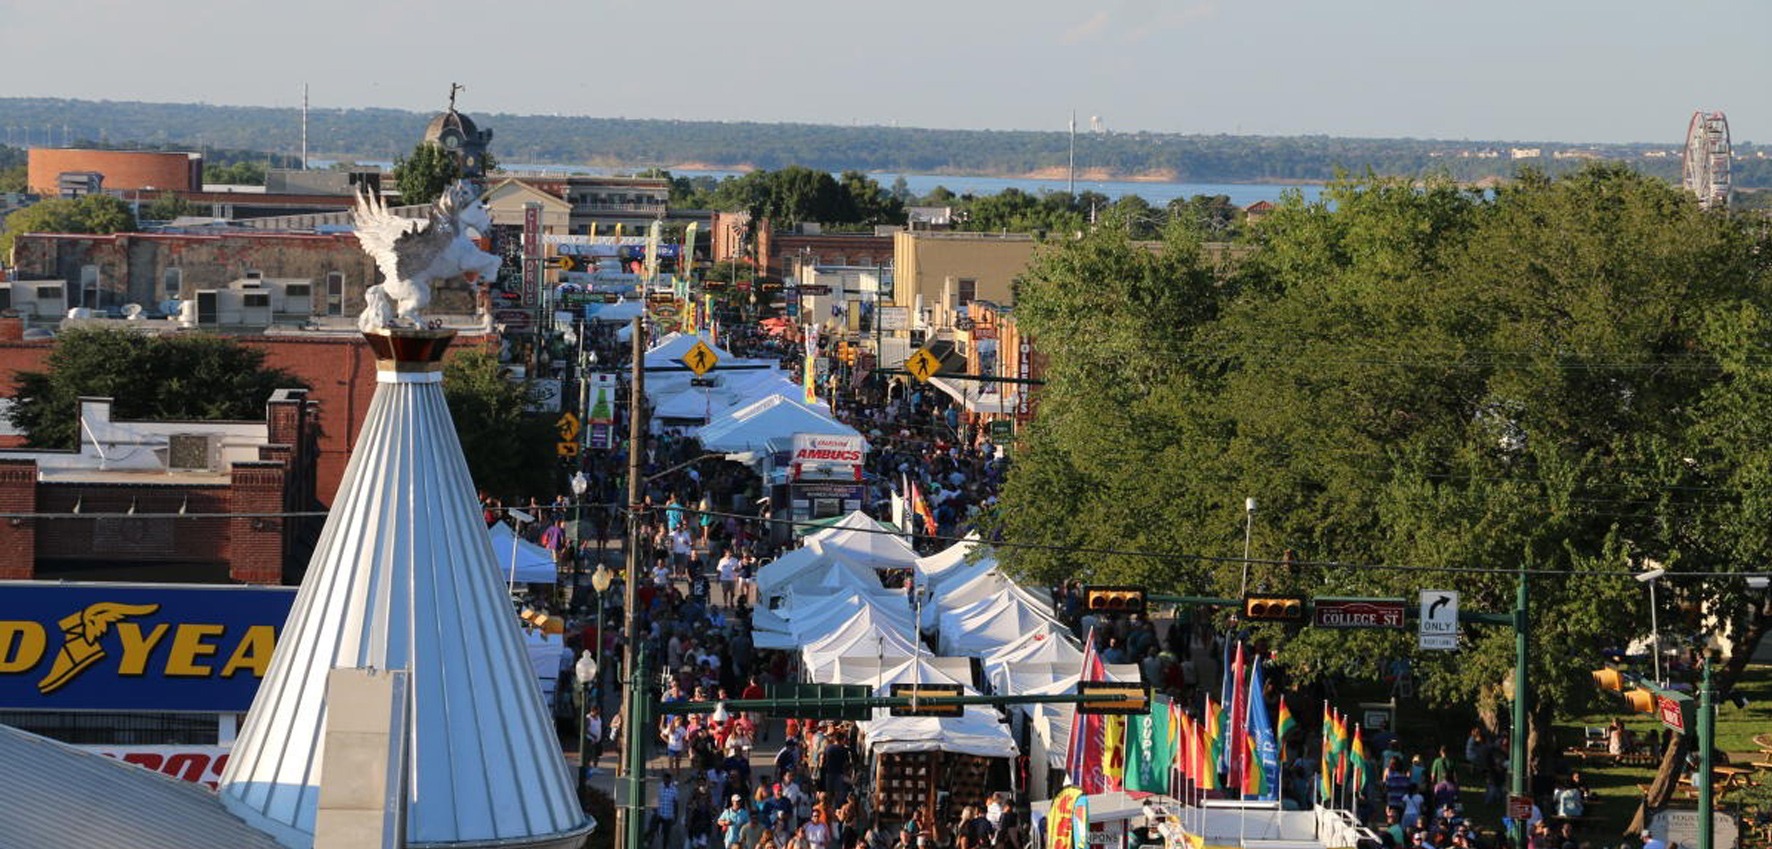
(1554, 70)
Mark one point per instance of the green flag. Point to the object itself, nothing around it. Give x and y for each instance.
(1149, 749)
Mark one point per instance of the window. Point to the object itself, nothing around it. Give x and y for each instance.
(295, 292)
(254, 274)
(49, 293)
(965, 291)
(88, 286)
(335, 293)
(260, 300)
(172, 282)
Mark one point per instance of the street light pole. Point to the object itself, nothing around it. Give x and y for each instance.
(579, 486)
(1651, 577)
(1248, 532)
(585, 671)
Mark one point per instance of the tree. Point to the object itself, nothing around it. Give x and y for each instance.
(166, 207)
(1416, 375)
(424, 175)
(90, 214)
(245, 172)
(509, 450)
(13, 179)
(191, 376)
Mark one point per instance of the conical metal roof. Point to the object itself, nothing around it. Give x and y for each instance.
(404, 578)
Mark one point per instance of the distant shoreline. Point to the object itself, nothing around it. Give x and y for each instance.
(1084, 175)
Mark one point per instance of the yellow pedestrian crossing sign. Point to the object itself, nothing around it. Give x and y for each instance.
(568, 426)
(700, 359)
(922, 365)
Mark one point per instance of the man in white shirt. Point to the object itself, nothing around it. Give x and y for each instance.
(727, 570)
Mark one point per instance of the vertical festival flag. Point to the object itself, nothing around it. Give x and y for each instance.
(1262, 770)
(1214, 736)
(1113, 752)
(1149, 749)
(1205, 740)
(1083, 757)
(1286, 727)
(1237, 724)
(1185, 729)
(1325, 777)
(1362, 763)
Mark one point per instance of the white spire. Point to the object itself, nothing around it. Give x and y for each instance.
(404, 578)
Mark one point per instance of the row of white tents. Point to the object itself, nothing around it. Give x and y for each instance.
(741, 405)
(827, 600)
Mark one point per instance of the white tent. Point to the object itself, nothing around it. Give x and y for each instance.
(977, 731)
(775, 416)
(958, 593)
(938, 568)
(548, 654)
(672, 347)
(1039, 647)
(824, 618)
(865, 640)
(860, 536)
(816, 565)
(988, 625)
(732, 389)
(535, 565)
(620, 311)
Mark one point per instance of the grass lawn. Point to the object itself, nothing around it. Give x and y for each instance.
(1615, 787)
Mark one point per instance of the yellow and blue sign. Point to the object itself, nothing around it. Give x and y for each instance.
(137, 647)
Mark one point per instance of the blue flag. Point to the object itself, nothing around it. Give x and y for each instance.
(1265, 744)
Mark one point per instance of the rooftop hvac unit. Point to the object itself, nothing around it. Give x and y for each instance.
(192, 452)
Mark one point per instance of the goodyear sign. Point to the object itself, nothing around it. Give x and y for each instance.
(136, 646)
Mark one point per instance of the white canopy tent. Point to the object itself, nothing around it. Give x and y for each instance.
(775, 416)
(826, 616)
(938, 568)
(668, 353)
(977, 731)
(732, 389)
(1039, 647)
(535, 565)
(815, 565)
(864, 538)
(986, 626)
(622, 311)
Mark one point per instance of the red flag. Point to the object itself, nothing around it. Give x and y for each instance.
(1083, 756)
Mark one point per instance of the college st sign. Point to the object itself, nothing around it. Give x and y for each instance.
(136, 646)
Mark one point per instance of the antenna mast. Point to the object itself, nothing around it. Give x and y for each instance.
(304, 126)
(1071, 184)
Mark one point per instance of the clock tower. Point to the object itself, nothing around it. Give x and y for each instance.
(457, 134)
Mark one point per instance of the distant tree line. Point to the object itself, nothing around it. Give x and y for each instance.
(385, 134)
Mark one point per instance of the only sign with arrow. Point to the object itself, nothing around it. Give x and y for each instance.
(1439, 620)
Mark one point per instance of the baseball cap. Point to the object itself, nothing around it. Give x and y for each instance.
(737, 798)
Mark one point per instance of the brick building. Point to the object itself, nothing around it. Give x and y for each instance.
(107, 271)
(338, 368)
(121, 169)
(139, 500)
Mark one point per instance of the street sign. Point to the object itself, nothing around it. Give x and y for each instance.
(568, 426)
(1519, 808)
(515, 321)
(1438, 625)
(1672, 710)
(1359, 612)
(700, 358)
(895, 318)
(922, 365)
(817, 289)
(566, 449)
(923, 691)
(1134, 698)
(1002, 430)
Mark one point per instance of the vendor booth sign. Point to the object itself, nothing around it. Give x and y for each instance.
(137, 647)
(826, 450)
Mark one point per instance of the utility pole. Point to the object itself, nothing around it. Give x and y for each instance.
(631, 817)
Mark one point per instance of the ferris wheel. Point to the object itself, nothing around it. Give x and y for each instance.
(1705, 165)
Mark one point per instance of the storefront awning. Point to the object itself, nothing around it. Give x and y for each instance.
(980, 397)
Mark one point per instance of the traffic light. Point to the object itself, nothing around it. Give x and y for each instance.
(924, 691)
(1640, 701)
(1128, 699)
(1609, 679)
(1113, 599)
(1273, 608)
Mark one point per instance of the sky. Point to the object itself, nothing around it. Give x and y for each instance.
(1516, 70)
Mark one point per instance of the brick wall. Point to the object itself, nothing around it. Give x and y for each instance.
(18, 494)
(123, 169)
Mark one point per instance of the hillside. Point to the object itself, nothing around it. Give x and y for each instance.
(620, 143)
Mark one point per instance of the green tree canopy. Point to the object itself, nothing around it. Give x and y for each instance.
(1559, 376)
(510, 451)
(424, 175)
(169, 376)
(90, 214)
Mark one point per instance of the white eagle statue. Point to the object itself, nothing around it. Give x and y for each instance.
(412, 254)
